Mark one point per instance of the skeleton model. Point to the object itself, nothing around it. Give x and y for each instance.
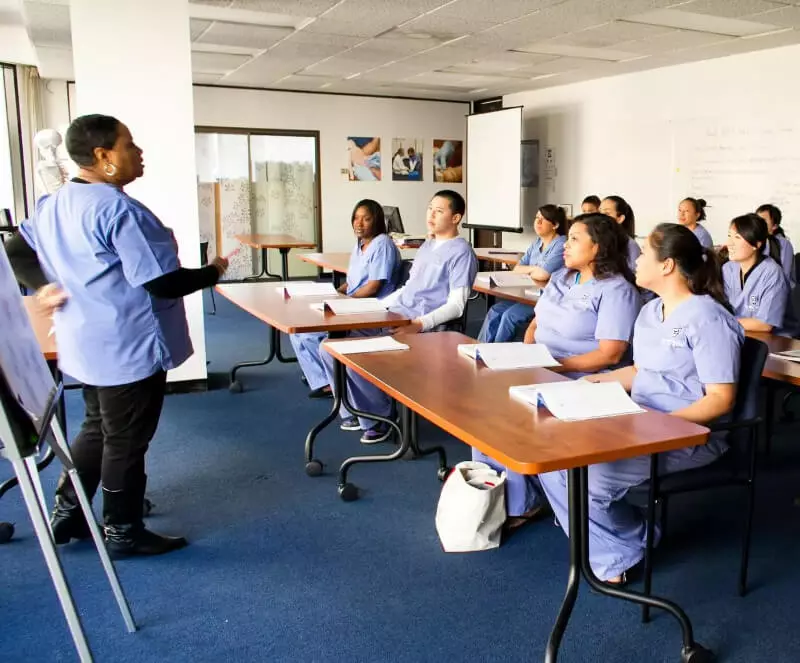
(52, 170)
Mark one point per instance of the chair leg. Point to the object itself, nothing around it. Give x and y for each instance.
(664, 512)
(769, 415)
(650, 525)
(748, 517)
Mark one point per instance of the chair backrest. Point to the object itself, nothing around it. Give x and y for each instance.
(203, 254)
(754, 356)
(797, 267)
(405, 272)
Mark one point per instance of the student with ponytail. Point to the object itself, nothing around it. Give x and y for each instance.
(691, 212)
(772, 215)
(755, 284)
(618, 209)
(686, 358)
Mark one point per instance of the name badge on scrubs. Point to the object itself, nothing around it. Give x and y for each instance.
(752, 305)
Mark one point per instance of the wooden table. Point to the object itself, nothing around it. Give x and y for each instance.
(284, 243)
(513, 293)
(527, 440)
(266, 302)
(339, 262)
(502, 256)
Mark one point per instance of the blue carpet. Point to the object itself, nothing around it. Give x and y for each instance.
(279, 569)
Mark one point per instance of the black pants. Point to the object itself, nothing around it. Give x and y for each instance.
(116, 432)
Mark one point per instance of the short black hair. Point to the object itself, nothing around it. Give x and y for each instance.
(457, 203)
(88, 132)
(591, 200)
(376, 212)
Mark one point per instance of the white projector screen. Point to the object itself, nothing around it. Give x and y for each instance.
(494, 169)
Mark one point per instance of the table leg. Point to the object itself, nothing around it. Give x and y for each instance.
(235, 386)
(410, 425)
(578, 493)
(768, 417)
(284, 264)
(264, 268)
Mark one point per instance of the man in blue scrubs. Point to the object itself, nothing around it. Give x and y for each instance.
(116, 286)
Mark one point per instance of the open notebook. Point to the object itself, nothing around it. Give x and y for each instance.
(578, 400)
(504, 279)
(350, 306)
(362, 345)
(500, 356)
(790, 355)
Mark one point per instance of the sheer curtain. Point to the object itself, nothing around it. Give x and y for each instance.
(33, 121)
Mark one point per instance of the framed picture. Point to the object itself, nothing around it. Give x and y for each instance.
(364, 156)
(448, 157)
(407, 159)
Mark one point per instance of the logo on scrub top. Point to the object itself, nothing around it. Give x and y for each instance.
(753, 305)
(676, 331)
(677, 340)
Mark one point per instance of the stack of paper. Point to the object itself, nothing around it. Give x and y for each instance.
(307, 289)
(498, 356)
(790, 355)
(350, 306)
(504, 279)
(363, 345)
(578, 400)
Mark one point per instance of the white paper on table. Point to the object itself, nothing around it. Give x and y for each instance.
(534, 292)
(364, 345)
(504, 279)
(350, 305)
(500, 356)
(578, 400)
(789, 355)
(307, 289)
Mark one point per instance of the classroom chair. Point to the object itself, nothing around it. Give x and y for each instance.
(737, 467)
(203, 263)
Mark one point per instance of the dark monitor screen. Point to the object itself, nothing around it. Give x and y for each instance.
(394, 224)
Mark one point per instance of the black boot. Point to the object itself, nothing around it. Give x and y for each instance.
(126, 535)
(67, 519)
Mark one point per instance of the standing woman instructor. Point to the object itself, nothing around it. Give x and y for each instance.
(109, 269)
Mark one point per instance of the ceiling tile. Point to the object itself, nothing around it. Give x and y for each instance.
(216, 63)
(610, 34)
(291, 7)
(212, 3)
(198, 27)
(700, 22)
(369, 18)
(239, 34)
(729, 8)
(787, 17)
(447, 26)
(676, 40)
(48, 24)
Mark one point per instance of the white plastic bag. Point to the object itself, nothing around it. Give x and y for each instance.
(472, 508)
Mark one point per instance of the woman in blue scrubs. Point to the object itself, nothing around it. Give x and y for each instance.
(691, 212)
(115, 281)
(686, 358)
(755, 284)
(585, 317)
(618, 209)
(543, 257)
(773, 216)
(373, 272)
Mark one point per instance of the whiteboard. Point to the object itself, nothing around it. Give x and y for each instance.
(21, 359)
(737, 164)
(494, 169)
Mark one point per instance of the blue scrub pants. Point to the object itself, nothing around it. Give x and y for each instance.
(362, 394)
(503, 320)
(306, 349)
(617, 529)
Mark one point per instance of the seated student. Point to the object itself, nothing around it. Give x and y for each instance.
(373, 272)
(590, 205)
(755, 284)
(686, 358)
(691, 212)
(436, 292)
(772, 215)
(585, 317)
(618, 209)
(542, 258)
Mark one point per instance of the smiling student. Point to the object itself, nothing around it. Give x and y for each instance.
(686, 359)
(772, 215)
(585, 317)
(373, 272)
(691, 212)
(755, 284)
(543, 257)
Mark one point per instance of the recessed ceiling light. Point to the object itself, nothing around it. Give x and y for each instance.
(684, 20)
(418, 35)
(324, 85)
(347, 78)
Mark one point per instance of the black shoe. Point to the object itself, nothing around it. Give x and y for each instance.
(135, 540)
(321, 392)
(67, 520)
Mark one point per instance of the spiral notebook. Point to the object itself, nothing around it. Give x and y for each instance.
(578, 400)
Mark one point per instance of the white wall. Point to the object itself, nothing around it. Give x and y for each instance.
(336, 118)
(723, 129)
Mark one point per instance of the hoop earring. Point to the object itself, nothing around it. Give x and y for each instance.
(110, 169)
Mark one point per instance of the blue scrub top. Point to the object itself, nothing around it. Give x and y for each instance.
(379, 262)
(765, 294)
(101, 246)
(550, 258)
(704, 236)
(787, 257)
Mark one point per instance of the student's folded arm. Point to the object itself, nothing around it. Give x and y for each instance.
(539, 274)
(624, 376)
(452, 309)
(755, 325)
(342, 289)
(608, 353)
(718, 401)
(25, 263)
(369, 289)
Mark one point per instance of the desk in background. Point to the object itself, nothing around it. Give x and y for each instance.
(284, 243)
(527, 440)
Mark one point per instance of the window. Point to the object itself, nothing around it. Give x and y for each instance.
(12, 187)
